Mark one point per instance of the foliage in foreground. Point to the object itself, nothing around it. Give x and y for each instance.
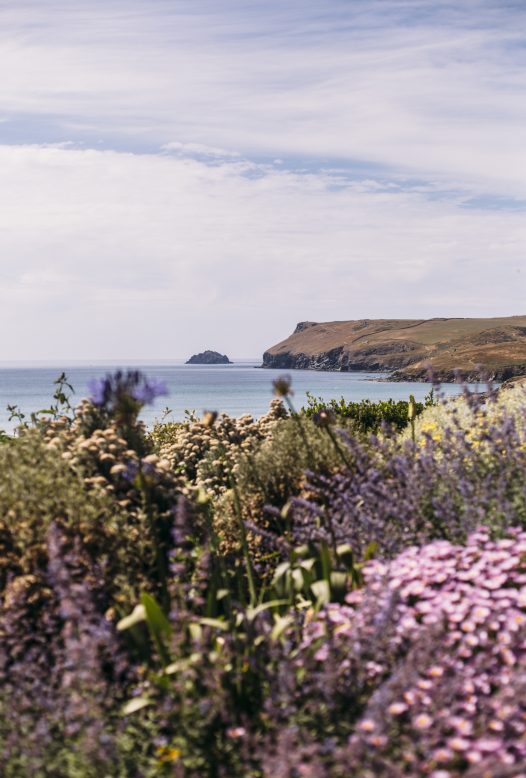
(202, 601)
(453, 480)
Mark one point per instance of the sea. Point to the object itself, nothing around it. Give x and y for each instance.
(236, 389)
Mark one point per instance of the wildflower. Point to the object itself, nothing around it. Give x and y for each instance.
(397, 708)
(458, 743)
(209, 418)
(443, 755)
(367, 725)
(236, 732)
(377, 740)
(282, 386)
(118, 391)
(167, 754)
(496, 726)
(423, 721)
(489, 744)
(462, 726)
(148, 390)
(436, 671)
(324, 418)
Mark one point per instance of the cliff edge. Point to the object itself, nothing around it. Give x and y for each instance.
(407, 348)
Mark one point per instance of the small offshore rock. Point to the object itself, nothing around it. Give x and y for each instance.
(209, 358)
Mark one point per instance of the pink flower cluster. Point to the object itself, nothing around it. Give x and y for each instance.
(437, 640)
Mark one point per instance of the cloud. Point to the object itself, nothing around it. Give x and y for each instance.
(119, 255)
(172, 170)
(197, 150)
(428, 89)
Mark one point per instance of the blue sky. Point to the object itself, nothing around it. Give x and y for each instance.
(178, 175)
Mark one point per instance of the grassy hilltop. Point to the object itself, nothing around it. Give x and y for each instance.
(407, 347)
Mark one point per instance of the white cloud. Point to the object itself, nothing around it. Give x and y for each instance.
(197, 150)
(304, 160)
(430, 89)
(108, 255)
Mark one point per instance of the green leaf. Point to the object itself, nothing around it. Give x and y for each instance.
(322, 591)
(137, 615)
(156, 619)
(345, 554)
(158, 625)
(301, 551)
(132, 706)
(280, 571)
(339, 583)
(282, 622)
(176, 667)
(217, 623)
(297, 579)
(251, 613)
(325, 559)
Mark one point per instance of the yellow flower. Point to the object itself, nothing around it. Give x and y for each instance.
(167, 754)
(432, 429)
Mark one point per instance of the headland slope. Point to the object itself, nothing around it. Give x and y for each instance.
(408, 348)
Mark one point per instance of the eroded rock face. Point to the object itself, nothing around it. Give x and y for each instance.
(209, 358)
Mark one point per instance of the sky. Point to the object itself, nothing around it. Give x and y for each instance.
(178, 175)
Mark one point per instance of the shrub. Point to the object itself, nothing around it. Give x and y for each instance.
(368, 416)
(395, 494)
(86, 514)
(207, 451)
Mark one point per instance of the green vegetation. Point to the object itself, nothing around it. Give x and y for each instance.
(366, 415)
(304, 594)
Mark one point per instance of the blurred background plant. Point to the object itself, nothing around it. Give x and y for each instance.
(368, 416)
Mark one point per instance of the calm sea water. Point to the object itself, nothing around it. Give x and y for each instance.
(235, 389)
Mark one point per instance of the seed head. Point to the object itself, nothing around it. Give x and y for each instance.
(324, 418)
(209, 418)
(282, 386)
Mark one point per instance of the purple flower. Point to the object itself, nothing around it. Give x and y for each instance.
(132, 469)
(124, 393)
(148, 390)
(98, 389)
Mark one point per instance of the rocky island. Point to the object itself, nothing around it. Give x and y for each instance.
(209, 358)
(407, 348)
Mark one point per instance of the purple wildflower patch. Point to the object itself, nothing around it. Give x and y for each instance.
(428, 662)
(397, 495)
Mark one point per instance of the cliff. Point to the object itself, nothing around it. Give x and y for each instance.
(407, 348)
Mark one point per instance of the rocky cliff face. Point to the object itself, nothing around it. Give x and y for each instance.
(407, 349)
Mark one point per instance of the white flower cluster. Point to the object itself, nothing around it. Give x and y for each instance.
(207, 451)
